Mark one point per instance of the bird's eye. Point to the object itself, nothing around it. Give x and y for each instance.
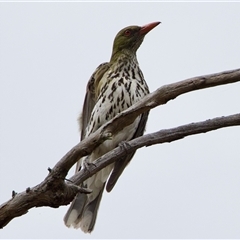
(127, 32)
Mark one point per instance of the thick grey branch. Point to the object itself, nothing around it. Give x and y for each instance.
(162, 136)
(161, 96)
(54, 192)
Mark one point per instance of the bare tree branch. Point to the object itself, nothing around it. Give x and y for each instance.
(162, 136)
(161, 96)
(54, 191)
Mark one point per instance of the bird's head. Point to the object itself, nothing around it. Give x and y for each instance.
(130, 38)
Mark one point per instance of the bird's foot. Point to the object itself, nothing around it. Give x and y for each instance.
(125, 146)
(107, 136)
(87, 165)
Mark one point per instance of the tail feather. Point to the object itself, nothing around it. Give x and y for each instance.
(89, 215)
(74, 213)
(84, 208)
(83, 212)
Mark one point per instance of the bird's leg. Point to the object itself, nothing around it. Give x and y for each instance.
(125, 146)
(87, 164)
(107, 136)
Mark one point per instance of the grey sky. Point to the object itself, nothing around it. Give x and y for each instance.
(186, 189)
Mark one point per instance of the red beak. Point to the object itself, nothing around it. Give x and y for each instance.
(147, 28)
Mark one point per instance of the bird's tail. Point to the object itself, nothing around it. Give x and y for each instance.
(83, 212)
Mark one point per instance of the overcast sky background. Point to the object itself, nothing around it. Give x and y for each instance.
(186, 189)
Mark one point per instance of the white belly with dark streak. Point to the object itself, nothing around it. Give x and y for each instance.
(115, 96)
(96, 181)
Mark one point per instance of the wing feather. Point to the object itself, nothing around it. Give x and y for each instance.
(90, 101)
(122, 163)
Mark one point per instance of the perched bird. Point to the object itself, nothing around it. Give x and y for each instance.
(112, 88)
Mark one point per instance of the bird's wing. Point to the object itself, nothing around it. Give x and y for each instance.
(90, 101)
(122, 163)
(91, 97)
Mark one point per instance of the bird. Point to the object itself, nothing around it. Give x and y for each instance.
(113, 87)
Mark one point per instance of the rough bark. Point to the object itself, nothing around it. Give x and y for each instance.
(54, 191)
